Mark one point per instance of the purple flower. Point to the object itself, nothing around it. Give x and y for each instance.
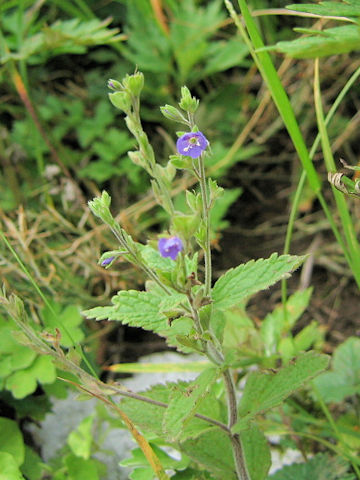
(170, 247)
(107, 261)
(192, 144)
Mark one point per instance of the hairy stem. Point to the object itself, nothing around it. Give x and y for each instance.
(237, 448)
(206, 219)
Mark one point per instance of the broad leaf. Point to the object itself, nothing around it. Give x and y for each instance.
(340, 9)
(320, 467)
(331, 41)
(80, 439)
(256, 447)
(185, 402)
(8, 468)
(11, 440)
(265, 390)
(130, 307)
(344, 379)
(277, 323)
(245, 280)
(149, 418)
(212, 450)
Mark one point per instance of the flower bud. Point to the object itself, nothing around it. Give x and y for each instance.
(115, 85)
(187, 102)
(134, 83)
(172, 113)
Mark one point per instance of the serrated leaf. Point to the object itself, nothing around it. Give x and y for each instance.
(212, 451)
(338, 9)
(344, 379)
(144, 310)
(185, 402)
(265, 390)
(320, 467)
(130, 307)
(69, 36)
(256, 447)
(331, 41)
(277, 323)
(245, 280)
(149, 418)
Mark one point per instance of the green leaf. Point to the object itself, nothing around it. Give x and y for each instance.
(320, 467)
(130, 307)
(68, 320)
(338, 9)
(265, 390)
(69, 36)
(344, 378)
(277, 323)
(185, 402)
(212, 450)
(80, 440)
(331, 41)
(79, 468)
(9, 469)
(11, 440)
(195, 366)
(224, 55)
(154, 260)
(138, 459)
(149, 418)
(32, 467)
(144, 310)
(256, 447)
(245, 280)
(24, 382)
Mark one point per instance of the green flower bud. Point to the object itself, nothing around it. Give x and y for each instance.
(187, 102)
(121, 100)
(115, 85)
(172, 113)
(100, 207)
(134, 83)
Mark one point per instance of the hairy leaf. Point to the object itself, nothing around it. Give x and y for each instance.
(256, 447)
(340, 9)
(130, 307)
(344, 378)
(212, 450)
(265, 390)
(331, 41)
(245, 280)
(320, 467)
(185, 402)
(277, 323)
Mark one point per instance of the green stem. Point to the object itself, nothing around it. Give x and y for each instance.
(238, 451)
(352, 248)
(55, 318)
(206, 220)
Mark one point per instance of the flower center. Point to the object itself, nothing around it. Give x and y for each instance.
(192, 142)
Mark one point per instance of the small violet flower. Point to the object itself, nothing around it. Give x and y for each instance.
(107, 261)
(170, 247)
(192, 144)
